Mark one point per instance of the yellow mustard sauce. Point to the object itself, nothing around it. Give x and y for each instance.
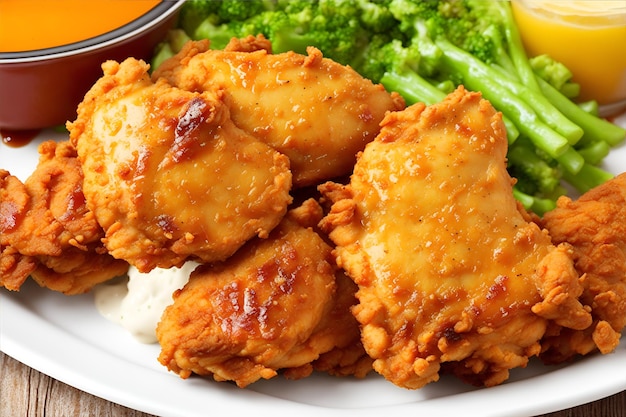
(589, 37)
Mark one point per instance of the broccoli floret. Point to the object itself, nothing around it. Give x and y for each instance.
(173, 43)
(219, 20)
(224, 19)
(556, 74)
(376, 17)
(293, 6)
(218, 34)
(472, 26)
(332, 26)
(414, 18)
(233, 10)
(396, 67)
(194, 12)
(464, 26)
(535, 175)
(371, 61)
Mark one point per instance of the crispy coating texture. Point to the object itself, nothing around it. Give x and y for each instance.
(277, 304)
(595, 226)
(14, 200)
(450, 269)
(317, 112)
(168, 175)
(48, 232)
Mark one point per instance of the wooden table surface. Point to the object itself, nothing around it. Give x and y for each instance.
(25, 392)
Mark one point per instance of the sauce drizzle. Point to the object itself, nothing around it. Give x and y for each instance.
(17, 138)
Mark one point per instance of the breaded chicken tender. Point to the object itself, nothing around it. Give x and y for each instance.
(14, 201)
(47, 231)
(168, 175)
(450, 269)
(595, 225)
(275, 305)
(317, 112)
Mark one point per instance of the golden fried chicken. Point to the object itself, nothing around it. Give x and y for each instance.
(348, 357)
(317, 112)
(168, 175)
(14, 267)
(450, 270)
(46, 230)
(14, 200)
(595, 226)
(275, 305)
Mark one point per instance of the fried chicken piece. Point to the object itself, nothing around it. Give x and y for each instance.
(595, 225)
(48, 232)
(14, 268)
(168, 175)
(277, 304)
(450, 270)
(317, 112)
(14, 199)
(348, 357)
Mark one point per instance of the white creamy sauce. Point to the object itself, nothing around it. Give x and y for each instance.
(137, 302)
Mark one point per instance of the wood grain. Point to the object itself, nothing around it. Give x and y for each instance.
(25, 392)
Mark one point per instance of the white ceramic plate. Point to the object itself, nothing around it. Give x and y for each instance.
(66, 338)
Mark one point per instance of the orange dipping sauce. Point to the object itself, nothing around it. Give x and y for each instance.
(27, 25)
(589, 37)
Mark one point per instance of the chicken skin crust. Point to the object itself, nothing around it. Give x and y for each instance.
(272, 306)
(46, 230)
(450, 269)
(168, 175)
(317, 112)
(595, 226)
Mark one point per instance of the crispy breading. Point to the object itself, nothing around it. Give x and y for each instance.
(595, 226)
(316, 111)
(48, 232)
(275, 305)
(449, 268)
(168, 175)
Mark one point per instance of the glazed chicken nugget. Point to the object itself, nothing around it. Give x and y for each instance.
(314, 110)
(273, 306)
(168, 175)
(46, 230)
(595, 226)
(14, 201)
(449, 268)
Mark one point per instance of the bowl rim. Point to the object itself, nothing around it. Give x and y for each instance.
(153, 17)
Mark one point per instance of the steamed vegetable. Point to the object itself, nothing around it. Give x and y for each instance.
(423, 50)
